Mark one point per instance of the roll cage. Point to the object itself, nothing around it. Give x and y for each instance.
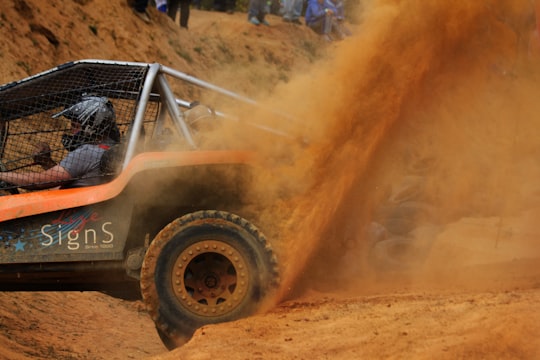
(148, 115)
(142, 83)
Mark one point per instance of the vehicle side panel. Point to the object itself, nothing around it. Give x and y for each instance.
(88, 233)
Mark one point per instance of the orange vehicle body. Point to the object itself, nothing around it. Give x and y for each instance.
(38, 202)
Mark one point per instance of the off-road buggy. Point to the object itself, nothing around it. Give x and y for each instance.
(168, 219)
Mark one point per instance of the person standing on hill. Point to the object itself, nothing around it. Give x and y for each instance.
(292, 10)
(228, 6)
(172, 9)
(320, 17)
(257, 12)
(161, 5)
(139, 9)
(339, 15)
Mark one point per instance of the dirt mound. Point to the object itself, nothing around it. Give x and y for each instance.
(218, 47)
(414, 186)
(404, 324)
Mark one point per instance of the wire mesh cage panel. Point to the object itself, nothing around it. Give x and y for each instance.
(69, 116)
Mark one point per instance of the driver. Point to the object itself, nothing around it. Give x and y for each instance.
(93, 131)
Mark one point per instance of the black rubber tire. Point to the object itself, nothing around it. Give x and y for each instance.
(390, 254)
(402, 218)
(169, 343)
(203, 268)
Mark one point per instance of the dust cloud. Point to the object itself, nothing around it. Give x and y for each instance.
(414, 146)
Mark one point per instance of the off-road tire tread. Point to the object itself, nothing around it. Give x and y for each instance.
(148, 286)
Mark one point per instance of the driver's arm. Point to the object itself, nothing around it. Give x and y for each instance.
(49, 178)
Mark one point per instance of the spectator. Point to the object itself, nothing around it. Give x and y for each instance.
(292, 10)
(228, 6)
(275, 7)
(139, 9)
(93, 131)
(161, 5)
(172, 9)
(339, 7)
(257, 12)
(320, 17)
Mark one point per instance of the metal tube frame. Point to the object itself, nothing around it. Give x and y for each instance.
(156, 76)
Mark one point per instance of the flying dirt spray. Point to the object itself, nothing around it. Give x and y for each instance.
(415, 85)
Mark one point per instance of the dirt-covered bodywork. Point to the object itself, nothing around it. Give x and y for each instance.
(166, 221)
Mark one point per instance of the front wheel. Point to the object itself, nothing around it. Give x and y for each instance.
(205, 267)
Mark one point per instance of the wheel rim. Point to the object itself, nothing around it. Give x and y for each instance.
(210, 278)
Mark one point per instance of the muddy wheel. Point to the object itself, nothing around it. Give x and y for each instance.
(391, 254)
(403, 218)
(203, 268)
(169, 342)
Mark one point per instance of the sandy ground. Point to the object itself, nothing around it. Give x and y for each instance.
(412, 230)
(496, 319)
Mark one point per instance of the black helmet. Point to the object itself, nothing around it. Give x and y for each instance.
(97, 118)
(94, 113)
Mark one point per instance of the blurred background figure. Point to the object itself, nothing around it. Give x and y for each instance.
(161, 5)
(339, 15)
(257, 11)
(321, 18)
(139, 9)
(292, 10)
(228, 6)
(172, 9)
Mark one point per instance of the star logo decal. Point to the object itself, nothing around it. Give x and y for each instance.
(19, 245)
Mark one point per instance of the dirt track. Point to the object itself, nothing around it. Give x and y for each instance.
(453, 83)
(486, 314)
(416, 325)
